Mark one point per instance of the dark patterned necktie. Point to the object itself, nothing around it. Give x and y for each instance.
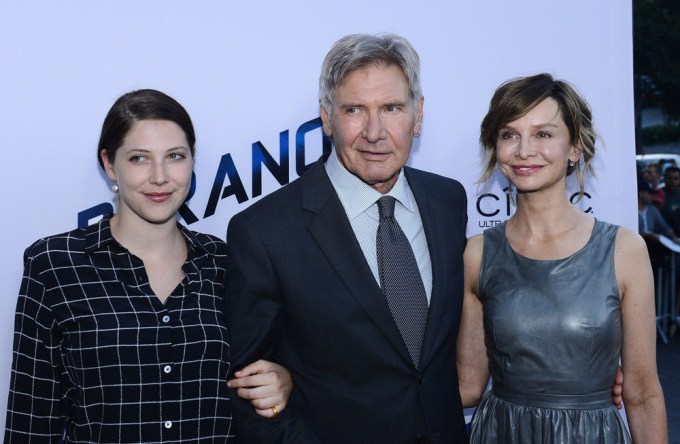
(400, 279)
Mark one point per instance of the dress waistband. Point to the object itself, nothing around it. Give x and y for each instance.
(597, 400)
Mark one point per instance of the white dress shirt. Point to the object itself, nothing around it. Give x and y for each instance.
(359, 201)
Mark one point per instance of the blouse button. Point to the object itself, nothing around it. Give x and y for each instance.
(167, 369)
(168, 424)
(166, 319)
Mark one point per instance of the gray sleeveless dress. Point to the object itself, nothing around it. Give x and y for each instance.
(553, 335)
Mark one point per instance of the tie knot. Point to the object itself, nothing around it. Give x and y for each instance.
(386, 206)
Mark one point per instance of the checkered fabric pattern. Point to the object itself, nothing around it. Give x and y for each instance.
(98, 358)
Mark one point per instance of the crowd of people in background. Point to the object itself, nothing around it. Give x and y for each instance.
(658, 205)
(659, 216)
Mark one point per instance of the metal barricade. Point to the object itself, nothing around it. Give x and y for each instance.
(666, 315)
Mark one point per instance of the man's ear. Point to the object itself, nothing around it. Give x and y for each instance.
(419, 116)
(326, 121)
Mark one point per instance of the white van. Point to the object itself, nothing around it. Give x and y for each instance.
(666, 159)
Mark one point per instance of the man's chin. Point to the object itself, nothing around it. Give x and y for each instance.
(382, 185)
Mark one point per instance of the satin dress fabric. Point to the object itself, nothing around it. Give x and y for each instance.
(553, 335)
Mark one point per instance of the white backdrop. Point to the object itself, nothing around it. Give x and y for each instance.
(247, 72)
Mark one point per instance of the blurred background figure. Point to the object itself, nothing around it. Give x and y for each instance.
(651, 224)
(671, 203)
(651, 174)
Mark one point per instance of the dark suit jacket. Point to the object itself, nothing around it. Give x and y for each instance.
(301, 293)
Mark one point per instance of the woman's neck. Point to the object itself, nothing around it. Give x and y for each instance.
(545, 215)
(142, 238)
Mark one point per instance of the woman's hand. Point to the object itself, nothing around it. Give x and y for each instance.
(266, 385)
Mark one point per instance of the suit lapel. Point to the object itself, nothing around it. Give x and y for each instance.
(434, 224)
(332, 231)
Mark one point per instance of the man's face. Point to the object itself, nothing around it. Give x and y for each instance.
(672, 180)
(372, 123)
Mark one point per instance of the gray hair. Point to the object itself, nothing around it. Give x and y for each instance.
(357, 51)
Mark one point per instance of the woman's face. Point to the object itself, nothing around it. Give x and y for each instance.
(153, 171)
(533, 151)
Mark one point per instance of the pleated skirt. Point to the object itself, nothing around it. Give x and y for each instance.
(501, 421)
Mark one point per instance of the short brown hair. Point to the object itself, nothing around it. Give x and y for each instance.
(516, 97)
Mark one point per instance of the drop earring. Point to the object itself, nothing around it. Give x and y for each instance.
(114, 187)
(509, 191)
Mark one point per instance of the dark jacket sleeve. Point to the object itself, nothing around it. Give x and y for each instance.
(254, 311)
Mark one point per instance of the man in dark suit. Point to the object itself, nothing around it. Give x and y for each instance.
(305, 288)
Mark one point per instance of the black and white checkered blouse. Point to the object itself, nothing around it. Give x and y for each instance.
(98, 358)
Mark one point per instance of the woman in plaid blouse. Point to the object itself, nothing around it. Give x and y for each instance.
(120, 331)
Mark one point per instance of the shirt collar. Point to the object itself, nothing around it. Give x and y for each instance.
(357, 196)
(98, 237)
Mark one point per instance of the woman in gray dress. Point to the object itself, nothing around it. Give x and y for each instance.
(554, 297)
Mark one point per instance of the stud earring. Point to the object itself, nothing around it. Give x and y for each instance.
(114, 187)
(571, 163)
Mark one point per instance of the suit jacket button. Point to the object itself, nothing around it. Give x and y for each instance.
(421, 378)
